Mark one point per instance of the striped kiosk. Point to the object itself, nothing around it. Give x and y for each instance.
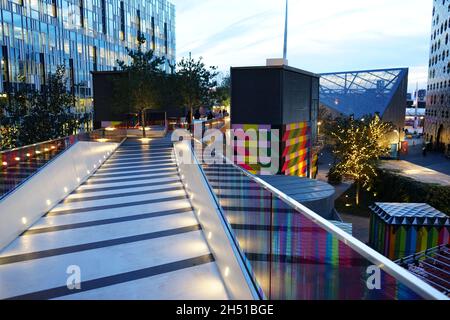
(398, 230)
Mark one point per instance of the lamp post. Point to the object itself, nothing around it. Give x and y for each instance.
(399, 142)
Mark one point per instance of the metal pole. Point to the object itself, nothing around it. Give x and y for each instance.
(285, 32)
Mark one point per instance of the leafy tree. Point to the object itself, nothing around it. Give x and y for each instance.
(223, 92)
(169, 93)
(51, 111)
(31, 116)
(358, 149)
(12, 112)
(140, 90)
(196, 83)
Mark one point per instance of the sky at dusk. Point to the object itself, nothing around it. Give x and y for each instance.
(324, 36)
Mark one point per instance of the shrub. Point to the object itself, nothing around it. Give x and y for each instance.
(392, 187)
(334, 178)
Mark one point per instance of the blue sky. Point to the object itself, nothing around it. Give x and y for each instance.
(324, 36)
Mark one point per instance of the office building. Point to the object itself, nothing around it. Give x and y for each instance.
(84, 35)
(437, 116)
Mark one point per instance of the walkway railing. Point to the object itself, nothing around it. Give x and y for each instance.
(432, 266)
(230, 260)
(293, 253)
(19, 164)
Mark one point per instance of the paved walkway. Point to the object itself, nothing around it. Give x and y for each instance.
(361, 226)
(433, 160)
(131, 231)
(416, 172)
(324, 164)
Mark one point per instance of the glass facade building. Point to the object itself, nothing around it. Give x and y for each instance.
(84, 35)
(360, 93)
(437, 116)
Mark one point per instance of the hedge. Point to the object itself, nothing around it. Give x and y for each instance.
(392, 187)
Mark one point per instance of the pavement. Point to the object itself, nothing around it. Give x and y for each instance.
(325, 162)
(361, 226)
(418, 172)
(433, 160)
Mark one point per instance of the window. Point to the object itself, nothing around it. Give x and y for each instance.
(94, 57)
(122, 21)
(82, 13)
(138, 22)
(5, 68)
(72, 77)
(153, 35)
(42, 69)
(103, 5)
(166, 40)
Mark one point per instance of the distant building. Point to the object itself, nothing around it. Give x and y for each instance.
(414, 120)
(437, 117)
(360, 93)
(420, 98)
(415, 112)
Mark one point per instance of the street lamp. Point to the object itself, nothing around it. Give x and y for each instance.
(399, 147)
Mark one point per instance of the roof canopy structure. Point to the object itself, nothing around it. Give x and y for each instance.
(420, 214)
(361, 92)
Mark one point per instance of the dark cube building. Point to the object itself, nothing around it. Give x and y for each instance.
(104, 104)
(277, 97)
(107, 112)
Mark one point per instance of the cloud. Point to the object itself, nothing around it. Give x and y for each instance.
(324, 36)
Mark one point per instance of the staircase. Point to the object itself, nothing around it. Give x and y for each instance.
(129, 232)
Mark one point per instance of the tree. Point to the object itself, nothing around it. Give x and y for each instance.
(358, 149)
(141, 88)
(223, 92)
(51, 111)
(169, 93)
(31, 116)
(196, 83)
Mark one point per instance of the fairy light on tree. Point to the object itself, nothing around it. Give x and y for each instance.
(359, 146)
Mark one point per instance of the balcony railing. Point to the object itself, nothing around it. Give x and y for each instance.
(293, 253)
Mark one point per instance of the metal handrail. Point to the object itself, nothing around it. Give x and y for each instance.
(248, 273)
(46, 142)
(408, 279)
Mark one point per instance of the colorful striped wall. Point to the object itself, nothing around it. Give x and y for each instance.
(242, 149)
(295, 151)
(396, 242)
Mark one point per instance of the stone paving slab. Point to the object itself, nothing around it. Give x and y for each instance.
(416, 172)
